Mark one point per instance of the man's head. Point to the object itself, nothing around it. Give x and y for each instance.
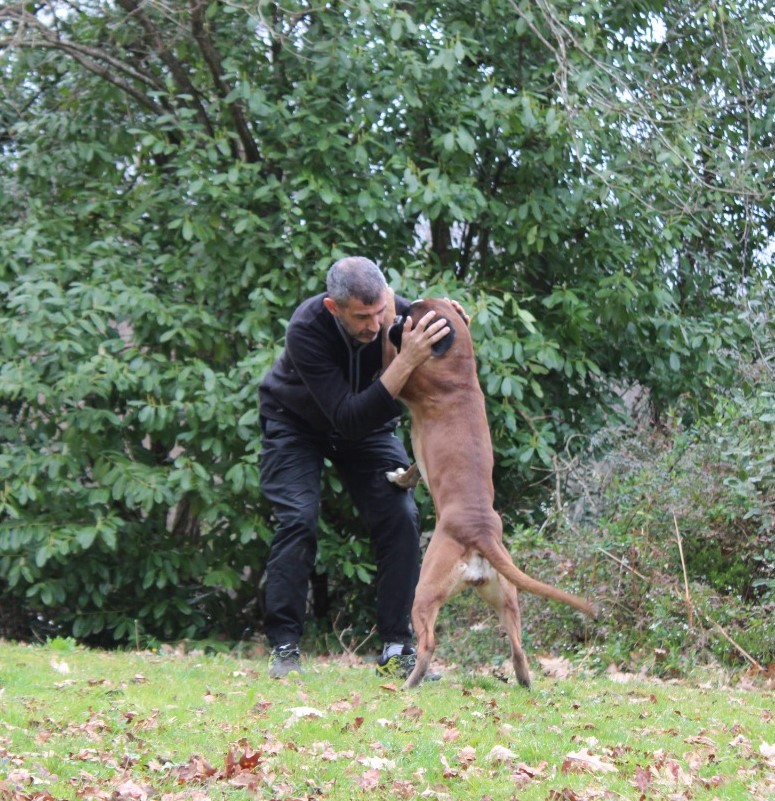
(357, 297)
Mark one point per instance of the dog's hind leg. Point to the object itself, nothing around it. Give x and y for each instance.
(440, 579)
(502, 596)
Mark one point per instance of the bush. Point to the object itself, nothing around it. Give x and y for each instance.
(683, 542)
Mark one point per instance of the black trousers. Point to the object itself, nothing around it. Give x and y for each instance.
(291, 464)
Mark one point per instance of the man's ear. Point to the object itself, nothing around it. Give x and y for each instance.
(330, 304)
(396, 332)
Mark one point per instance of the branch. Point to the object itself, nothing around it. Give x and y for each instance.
(737, 647)
(32, 34)
(350, 649)
(638, 110)
(179, 73)
(688, 598)
(622, 564)
(249, 151)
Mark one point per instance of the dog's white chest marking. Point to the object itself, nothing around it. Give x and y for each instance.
(477, 570)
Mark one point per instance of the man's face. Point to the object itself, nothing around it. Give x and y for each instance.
(360, 320)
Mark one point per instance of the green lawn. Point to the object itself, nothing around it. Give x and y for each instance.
(80, 724)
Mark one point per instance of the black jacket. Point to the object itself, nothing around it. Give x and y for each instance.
(326, 380)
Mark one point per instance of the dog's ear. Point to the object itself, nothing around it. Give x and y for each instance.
(443, 345)
(396, 331)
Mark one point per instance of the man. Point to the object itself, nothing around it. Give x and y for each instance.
(327, 396)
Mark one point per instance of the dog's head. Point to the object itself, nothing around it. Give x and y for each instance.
(418, 309)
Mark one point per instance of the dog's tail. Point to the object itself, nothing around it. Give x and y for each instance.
(497, 555)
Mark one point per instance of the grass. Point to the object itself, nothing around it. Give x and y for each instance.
(76, 723)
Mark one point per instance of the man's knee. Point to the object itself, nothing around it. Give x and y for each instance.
(385, 502)
(405, 510)
(301, 520)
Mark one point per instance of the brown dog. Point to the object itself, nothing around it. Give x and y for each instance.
(453, 449)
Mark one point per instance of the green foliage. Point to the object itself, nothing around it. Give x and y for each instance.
(592, 182)
(680, 550)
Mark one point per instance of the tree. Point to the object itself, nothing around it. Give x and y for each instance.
(591, 179)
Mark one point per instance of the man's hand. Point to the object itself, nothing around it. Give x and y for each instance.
(416, 343)
(460, 310)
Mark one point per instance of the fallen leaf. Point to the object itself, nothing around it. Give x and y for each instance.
(450, 735)
(300, 713)
(92, 793)
(506, 730)
(768, 752)
(743, 744)
(197, 769)
(377, 763)
(262, 707)
(340, 706)
(667, 771)
(237, 762)
(247, 780)
(20, 776)
(501, 754)
(368, 780)
(619, 676)
(566, 794)
(403, 789)
(131, 791)
(643, 779)
(329, 754)
(556, 667)
(714, 781)
(523, 774)
(585, 762)
(378, 747)
(144, 724)
(701, 740)
(533, 770)
(449, 772)
(696, 760)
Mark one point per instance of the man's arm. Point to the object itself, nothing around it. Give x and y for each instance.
(352, 414)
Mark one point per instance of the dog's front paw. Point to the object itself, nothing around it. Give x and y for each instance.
(394, 476)
(406, 479)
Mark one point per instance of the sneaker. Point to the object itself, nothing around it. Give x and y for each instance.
(285, 660)
(399, 666)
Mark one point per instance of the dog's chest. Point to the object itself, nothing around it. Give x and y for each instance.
(476, 570)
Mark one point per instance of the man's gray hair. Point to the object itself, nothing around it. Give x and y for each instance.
(355, 277)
